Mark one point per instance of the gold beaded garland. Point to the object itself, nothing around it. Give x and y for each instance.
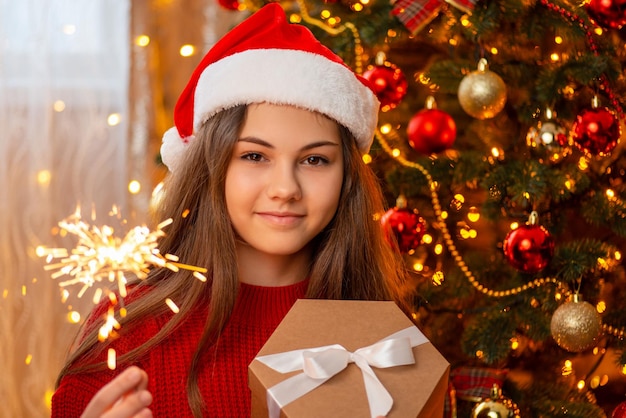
(617, 332)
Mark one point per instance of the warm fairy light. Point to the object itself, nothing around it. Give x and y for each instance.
(554, 57)
(610, 194)
(582, 163)
(111, 359)
(624, 369)
(114, 119)
(44, 177)
(569, 184)
(438, 278)
(101, 256)
(601, 306)
(385, 129)
(364, 2)
(444, 214)
(558, 40)
(134, 187)
(473, 214)
(558, 296)
(170, 303)
(187, 50)
(465, 20)
(396, 152)
(427, 239)
(566, 370)
(514, 225)
(357, 7)
(453, 41)
(495, 152)
(418, 266)
(617, 255)
(69, 29)
(325, 14)
(494, 50)
(142, 40)
(594, 382)
(598, 31)
(73, 317)
(514, 343)
(58, 106)
(438, 249)
(28, 359)
(295, 18)
(367, 158)
(581, 384)
(391, 33)
(479, 354)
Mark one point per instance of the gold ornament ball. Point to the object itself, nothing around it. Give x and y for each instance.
(482, 93)
(576, 326)
(497, 406)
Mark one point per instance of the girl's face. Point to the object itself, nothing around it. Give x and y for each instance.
(284, 179)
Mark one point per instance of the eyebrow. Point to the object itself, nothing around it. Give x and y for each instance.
(312, 145)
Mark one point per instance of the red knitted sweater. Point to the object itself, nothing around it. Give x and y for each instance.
(224, 378)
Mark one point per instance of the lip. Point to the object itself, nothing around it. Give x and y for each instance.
(281, 218)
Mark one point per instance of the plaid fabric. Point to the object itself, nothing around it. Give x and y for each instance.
(471, 384)
(415, 14)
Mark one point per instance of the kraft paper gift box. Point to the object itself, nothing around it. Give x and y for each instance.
(347, 359)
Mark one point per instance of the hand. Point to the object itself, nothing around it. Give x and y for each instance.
(126, 396)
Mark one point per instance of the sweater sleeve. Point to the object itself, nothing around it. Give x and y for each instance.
(76, 390)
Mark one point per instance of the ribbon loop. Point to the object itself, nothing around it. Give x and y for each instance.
(325, 364)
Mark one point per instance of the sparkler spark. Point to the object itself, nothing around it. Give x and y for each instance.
(101, 256)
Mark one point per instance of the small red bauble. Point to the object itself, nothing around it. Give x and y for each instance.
(619, 411)
(389, 84)
(407, 226)
(596, 131)
(431, 130)
(229, 4)
(610, 14)
(529, 248)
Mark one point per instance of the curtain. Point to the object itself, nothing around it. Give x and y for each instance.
(64, 67)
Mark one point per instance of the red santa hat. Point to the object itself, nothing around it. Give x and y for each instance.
(267, 59)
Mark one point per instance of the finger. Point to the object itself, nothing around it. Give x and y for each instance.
(113, 391)
(133, 404)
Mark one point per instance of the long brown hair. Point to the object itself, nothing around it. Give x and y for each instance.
(351, 259)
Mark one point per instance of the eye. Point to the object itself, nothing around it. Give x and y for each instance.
(252, 156)
(316, 160)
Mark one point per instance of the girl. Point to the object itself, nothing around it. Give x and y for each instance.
(268, 191)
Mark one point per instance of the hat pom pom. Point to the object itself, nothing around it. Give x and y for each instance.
(173, 148)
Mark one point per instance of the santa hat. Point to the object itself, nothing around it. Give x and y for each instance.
(267, 59)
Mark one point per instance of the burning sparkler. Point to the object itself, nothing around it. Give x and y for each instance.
(100, 256)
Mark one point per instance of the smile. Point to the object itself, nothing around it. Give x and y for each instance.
(281, 218)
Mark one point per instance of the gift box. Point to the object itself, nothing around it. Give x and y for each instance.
(341, 359)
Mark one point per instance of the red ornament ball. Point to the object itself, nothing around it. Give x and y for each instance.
(609, 14)
(529, 248)
(229, 4)
(619, 411)
(407, 225)
(431, 131)
(596, 131)
(389, 84)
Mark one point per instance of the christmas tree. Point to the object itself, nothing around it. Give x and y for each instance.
(499, 146)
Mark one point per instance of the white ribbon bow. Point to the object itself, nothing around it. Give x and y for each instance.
(321, 363)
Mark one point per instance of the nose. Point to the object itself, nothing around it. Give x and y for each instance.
(283, 182)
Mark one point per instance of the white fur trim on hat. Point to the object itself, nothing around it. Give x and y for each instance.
(283, 76)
